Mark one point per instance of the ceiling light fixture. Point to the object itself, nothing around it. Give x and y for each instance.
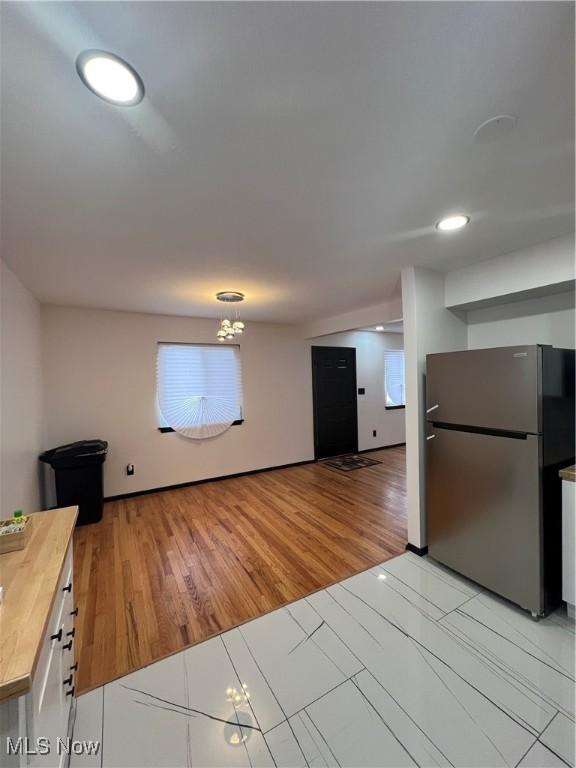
(379, 327)
(230, 328)
(452, 223)
(110, 77)
(230, 296)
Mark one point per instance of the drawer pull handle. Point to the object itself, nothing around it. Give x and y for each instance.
(70, 693)
(68, 681)
(74, 612)
(57, 636)
(67, 588)
(74, 667)
(71, 633)
(68, 646)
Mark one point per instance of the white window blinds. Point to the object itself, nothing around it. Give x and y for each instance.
(394, 377)
(199, 388)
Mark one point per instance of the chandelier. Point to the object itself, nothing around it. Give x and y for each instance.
(230, 328)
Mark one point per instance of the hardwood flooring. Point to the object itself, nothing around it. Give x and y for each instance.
(166, 570)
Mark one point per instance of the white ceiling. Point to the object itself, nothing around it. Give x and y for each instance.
(300, 152)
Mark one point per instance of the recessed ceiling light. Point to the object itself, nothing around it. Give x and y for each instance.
(379, 327)
(110, 77)
(450, 223)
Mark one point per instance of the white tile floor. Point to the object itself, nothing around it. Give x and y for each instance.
(404, 664)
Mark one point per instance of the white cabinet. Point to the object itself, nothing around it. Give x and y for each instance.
(53, 688)
(41, 717)
(569, 544)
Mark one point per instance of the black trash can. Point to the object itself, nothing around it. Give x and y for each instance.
(78, 474)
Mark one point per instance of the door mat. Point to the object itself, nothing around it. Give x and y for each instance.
(348, 463)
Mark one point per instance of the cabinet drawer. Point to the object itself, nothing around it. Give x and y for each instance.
(59, 624)
(48, 705)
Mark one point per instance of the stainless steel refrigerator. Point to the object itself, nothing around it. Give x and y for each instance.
(500, 424)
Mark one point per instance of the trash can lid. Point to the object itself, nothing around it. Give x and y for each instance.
(79, 448)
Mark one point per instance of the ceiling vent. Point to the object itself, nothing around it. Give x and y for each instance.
(494, 129)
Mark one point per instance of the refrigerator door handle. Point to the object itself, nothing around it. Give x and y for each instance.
(433, 408)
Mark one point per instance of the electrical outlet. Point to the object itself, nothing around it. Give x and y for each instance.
(130, 469)
(373, 433)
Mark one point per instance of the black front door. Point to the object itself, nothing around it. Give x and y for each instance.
(335, 406)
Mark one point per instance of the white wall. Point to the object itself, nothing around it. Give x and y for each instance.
(364, 317)
(21, 396)
(372, 414)
(100, 382)
(534, 269)
(545, 320)
(428, 327)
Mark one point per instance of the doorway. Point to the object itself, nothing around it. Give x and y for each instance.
(335, 403)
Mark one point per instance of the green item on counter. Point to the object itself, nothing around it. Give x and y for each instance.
(18, 513)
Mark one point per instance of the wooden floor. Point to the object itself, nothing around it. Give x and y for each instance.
(166, 570)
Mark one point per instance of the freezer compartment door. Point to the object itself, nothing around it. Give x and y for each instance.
(483, 511)
(490, 388)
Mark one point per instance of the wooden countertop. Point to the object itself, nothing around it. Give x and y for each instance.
(569, 473)
(30, 579)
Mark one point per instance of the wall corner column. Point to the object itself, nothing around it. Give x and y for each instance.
(428, 327)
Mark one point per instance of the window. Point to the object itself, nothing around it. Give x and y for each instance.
(199, 388)
(394, 378)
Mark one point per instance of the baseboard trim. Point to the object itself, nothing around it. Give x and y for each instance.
(420, 551)
(381, 447)
(162, 488)
(190, 483)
